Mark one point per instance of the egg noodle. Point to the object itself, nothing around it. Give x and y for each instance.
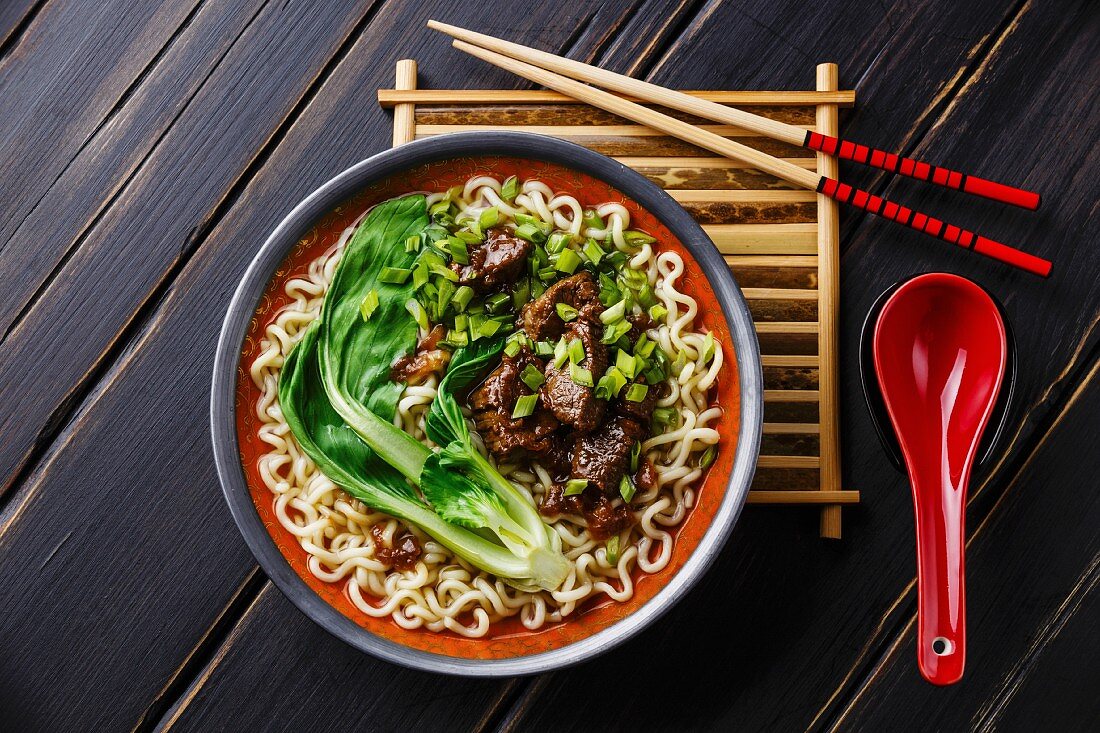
(443, 592)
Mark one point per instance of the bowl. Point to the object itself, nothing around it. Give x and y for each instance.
(426, 165)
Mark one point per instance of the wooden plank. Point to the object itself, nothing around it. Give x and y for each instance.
(764, 239)
(575, 114)
(786, 328)
(164, 197)
(14, 16)
(787, 462)
(148, 596)
(1023, 588)
(788, 360)
(742, 197)
(791, 395)
(828, 252)
(727, 131)
(791, 428)
(390, 97)
(803, 497)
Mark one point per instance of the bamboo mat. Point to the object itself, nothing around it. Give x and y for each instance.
(781, 243)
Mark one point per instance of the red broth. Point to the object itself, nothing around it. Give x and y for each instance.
(508, 637)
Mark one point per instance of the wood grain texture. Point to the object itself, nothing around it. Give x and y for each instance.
(15, 16)
(151, 225)
(1024, 586)
(151, 406)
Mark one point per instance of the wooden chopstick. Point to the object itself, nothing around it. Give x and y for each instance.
(774, 129)
(762, 161)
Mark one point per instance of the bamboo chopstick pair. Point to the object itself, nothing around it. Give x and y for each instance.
(566, 76)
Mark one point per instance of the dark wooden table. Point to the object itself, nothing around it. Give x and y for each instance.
(148, 149)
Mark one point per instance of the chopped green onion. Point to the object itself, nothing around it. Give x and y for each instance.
(446, 290)
(495, 302)
(394, 275)
(568, 262)
(547, 274)
(566, 312)
(615, 331)
(459, 251)
(457, 339)
(530, 232)
(557, 242)
(540, 256)
(525, 406)
(472, 235)
(488, 218)
(412, 305)
(576, 351)
(561, 353)
(708, 457)
(488, 328)
(708, 347)
(635, 456)
(444, 272)
(532, 377)
(593, 251)
(512, 348)
(462, 297)
(462, 321)
(614, 314)
(663, 416)
(646, 297)
(610, 384)
(612, 549)
(644, 347)
(544, 348)
(635, 237)
(369, 304)
(412, 244)
(658, 312)
(440, 207)
(522, 294)
(626, 363)
(627, 488)
(634, 279)
(420, 275)
(537, 287)
(592, 219)
(510, 188)
(636, 392)
(609, 291)
(580, 375)
(575, 486)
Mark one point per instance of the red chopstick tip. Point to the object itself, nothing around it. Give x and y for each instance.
(1000, 192)
(1012, 256)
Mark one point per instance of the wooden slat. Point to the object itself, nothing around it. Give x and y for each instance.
(806, 327)
(772, 428)
(791, 395)
(697, 163)
(770, 260)
(778, 294)
(390, 97)
(423, 130)
(803, 497)
(788, 360)
(764, 239)
(770, 196)
(404, 115)
(787, 462)
(828, 252)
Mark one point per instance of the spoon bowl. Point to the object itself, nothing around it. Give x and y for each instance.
(940, 351)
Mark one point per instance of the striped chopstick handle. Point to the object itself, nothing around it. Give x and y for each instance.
(921, 171)
(934, 227)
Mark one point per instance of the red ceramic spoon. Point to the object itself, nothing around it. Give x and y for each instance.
(940, 350)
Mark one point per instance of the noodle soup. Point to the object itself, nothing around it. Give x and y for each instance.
(429, 597)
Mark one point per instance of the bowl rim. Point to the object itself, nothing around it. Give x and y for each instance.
(223, 419)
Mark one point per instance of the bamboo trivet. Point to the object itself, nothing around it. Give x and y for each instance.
(782, 244)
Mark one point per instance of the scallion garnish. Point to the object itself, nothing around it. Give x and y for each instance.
(637, 238)
(636, 392)
(462, 297)
(658, 312)
(525, 406)
(568, 262)
(614, 314)
(488, 328)
(627, 488)
(457, 339)
(566, 312)
(644, 347)
(522, 294)
(561, 353)
(369, 304)
(420, 275)
(532, 377)
(708, 347)
(446, 290)
(575, 486)
(580, 375)
(610, 383)
(462, 322)
(530, 232)
(496, 302)
(707, 459)
(626, 363)
(612, 549)
(615, 331)
(557, 242)
(459, 251)
(593, 251)
(635, 456)
(510, 188)
(488, 218)
(412, 305)
(592, 219)
(394, 275)
(444, 272)
(576, 351)
(412, 244)
(512, 348)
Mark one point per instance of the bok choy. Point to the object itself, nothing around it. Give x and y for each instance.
(339, 401)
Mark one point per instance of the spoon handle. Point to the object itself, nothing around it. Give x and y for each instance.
(941, 608)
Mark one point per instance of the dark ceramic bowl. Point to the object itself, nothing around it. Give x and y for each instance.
(423, 163)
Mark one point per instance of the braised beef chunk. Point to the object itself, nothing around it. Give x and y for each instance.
(576, 404)
(493, 402)
(559, 459)
(496, 262)
(602, 456)
(402, 555)
(604, 516)
(639, 324)
(645, 478)
(640, 411)
(540, 319)
(426, 360)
